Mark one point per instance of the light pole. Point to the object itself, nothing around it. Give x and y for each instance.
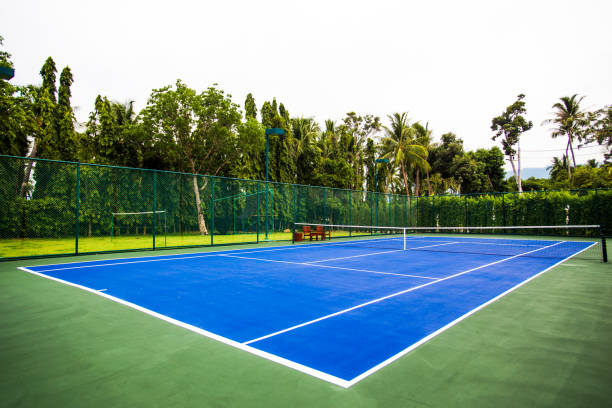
(376, 186)
(269, 131)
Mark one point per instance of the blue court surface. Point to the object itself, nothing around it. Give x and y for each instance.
(336, 311)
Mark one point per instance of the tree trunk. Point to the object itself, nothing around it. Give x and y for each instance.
(28, 171)
(201, 222)
(516, 176)
(418, 182)
(569, 168)
(490, 183)
(405, 180)
(429, 190)
(520, 179)
(569, 142)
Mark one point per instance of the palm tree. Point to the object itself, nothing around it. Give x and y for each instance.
(423, 137)
(400, 147)
(304, 131)
(569, 121)
(558, 166)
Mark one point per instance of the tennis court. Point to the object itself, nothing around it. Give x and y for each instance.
(339, 311)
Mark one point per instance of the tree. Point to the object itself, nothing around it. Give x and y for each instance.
(16, 116)
(65, 143)
(198, 132)
(400, 147)
(423, 138)
(558, 168)
(306, 155)
(493, 170)
(510, 125)
(470, 174)
(360, 128)
(250, 108)
(442, 155)
(601, 129)
(570, 121)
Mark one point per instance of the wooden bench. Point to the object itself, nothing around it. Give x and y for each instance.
(307, 232)
(320, 232)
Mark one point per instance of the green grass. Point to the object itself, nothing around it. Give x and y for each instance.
(22, 247)
(546, 344)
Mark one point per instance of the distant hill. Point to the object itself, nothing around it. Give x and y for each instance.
(527, 172)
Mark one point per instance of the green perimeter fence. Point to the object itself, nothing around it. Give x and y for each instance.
(63, 208)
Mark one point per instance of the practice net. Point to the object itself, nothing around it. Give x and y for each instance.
(551, 241)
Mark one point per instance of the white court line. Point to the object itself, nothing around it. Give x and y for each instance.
(272, 357)
(277, 359)
(159, 258)
(326, 266)
(355, 256)
(297, 326)
(102, 290)
(454, 322)
(379, 253)
(124, 263)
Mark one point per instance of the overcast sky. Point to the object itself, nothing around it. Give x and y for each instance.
(454, 64)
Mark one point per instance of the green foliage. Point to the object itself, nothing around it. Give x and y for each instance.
(47, 72)
(509, 126)
(16, 115)
(250, 108)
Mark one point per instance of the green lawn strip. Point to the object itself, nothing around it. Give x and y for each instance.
(59, 246)
(546, 344)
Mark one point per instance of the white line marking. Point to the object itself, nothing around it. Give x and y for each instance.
(435, 245)
(124, 263)
(454, 322)
(326, 266)
(102, 290)
(355, 256)
(297, 326)
(280, 360)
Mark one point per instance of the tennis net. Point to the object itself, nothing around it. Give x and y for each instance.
(550, 241)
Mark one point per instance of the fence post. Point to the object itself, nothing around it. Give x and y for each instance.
(417, 212)
(324, 205)
(212, 211)
(433, 211)
(77, 210)
(154, 205)
(504, 210)
(466, 212)
(257, 218)
(405, 218)
(350, 193)
(598, 220)
(294, 205)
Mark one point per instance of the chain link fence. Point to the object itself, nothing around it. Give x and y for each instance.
(61, 208)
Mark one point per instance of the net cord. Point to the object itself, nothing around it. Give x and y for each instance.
(451, 228)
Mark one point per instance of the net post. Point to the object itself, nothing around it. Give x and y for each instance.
(77, 210)
(165, 229)
(604, 250)
(404, 230)
(293, 232)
